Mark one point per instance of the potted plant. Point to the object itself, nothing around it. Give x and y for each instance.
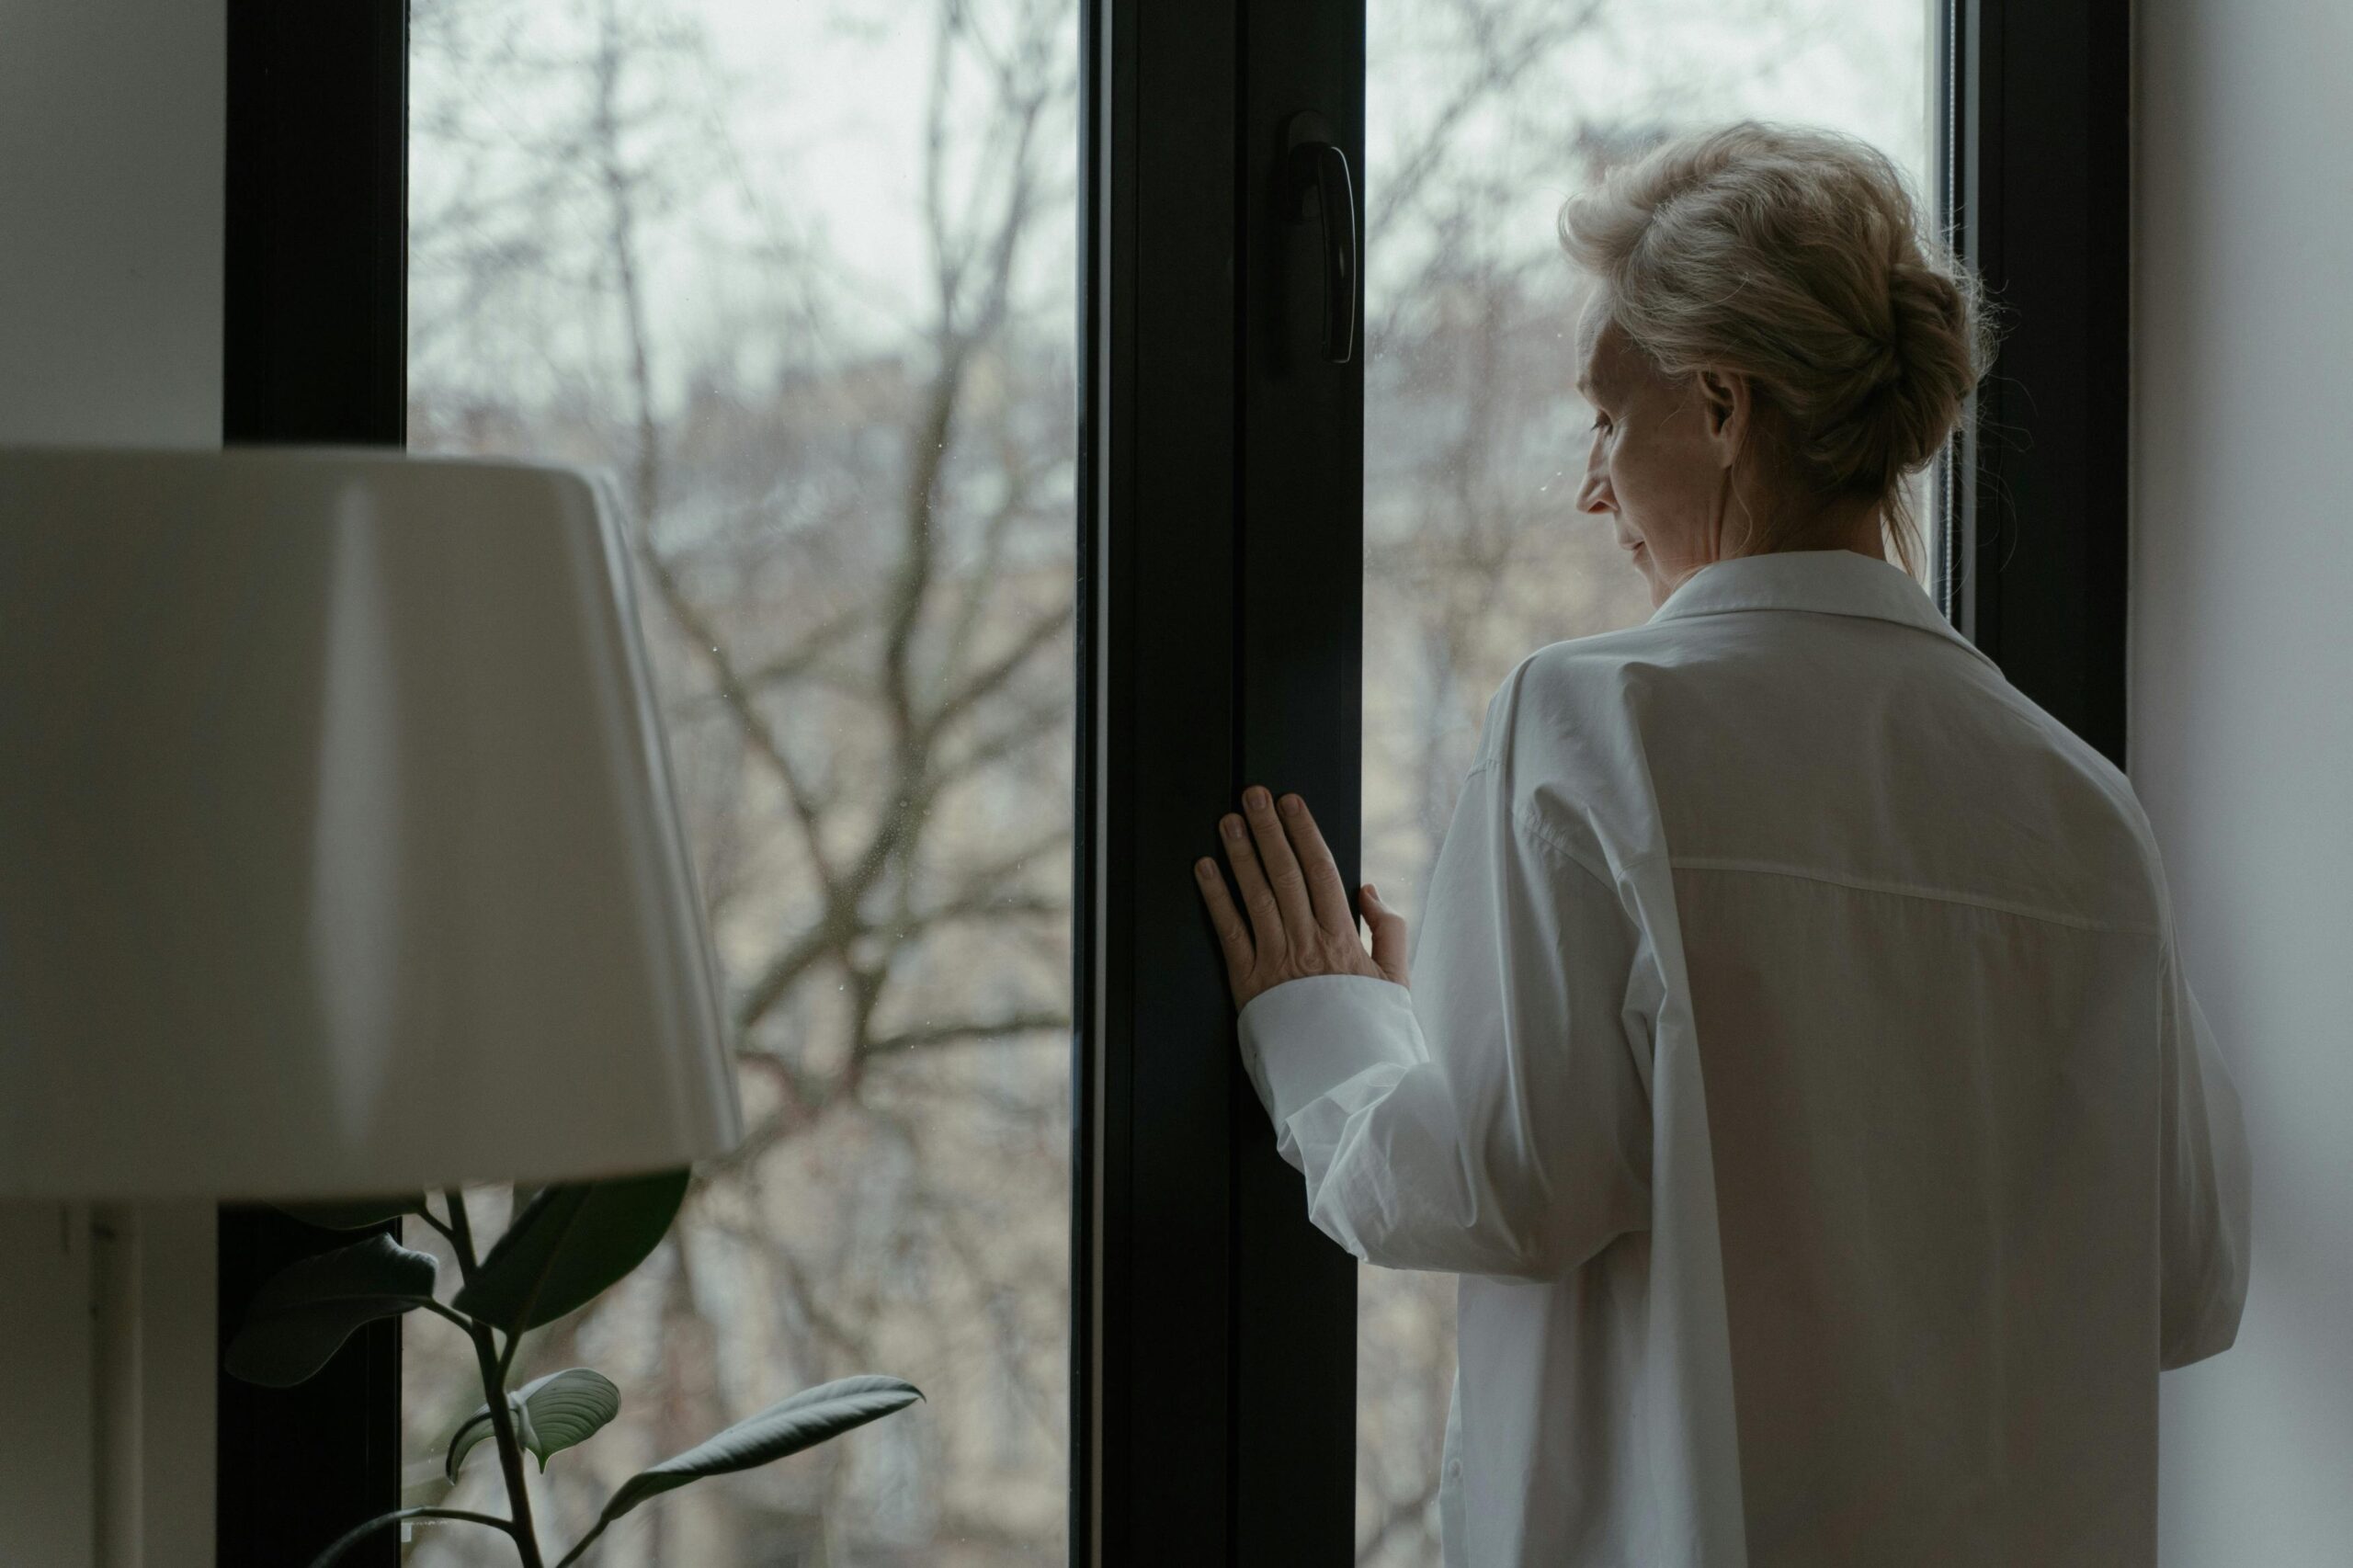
(567, 1243)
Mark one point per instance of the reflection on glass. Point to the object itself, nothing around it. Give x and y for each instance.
(800, 276)
(1482, 117)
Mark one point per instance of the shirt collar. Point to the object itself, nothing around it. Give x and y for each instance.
(1829, 582)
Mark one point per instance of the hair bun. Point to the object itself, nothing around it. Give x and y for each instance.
(1942, 361)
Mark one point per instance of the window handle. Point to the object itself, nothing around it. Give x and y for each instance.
(1317, 190)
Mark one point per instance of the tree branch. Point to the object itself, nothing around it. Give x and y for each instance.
(930, 1035)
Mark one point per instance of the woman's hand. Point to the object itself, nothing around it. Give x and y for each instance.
(1300, 922)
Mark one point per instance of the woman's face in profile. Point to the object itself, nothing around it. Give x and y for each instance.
(1656, 465)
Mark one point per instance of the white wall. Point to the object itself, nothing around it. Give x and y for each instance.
(2242, 722)
(111, 227)
(48, 1502)
(111, 219)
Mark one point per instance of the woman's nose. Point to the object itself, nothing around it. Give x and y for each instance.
(1594, 495)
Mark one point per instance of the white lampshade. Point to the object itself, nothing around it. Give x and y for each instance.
(338, 854)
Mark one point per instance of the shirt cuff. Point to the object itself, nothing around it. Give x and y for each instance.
(1306, 1037)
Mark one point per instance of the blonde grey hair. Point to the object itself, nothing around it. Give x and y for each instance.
(1797, 257)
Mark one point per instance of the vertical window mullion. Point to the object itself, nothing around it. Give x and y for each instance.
(1214, 1390)
(314, 270)
(1154, 1427)
(2043, 193)
(1300, 727)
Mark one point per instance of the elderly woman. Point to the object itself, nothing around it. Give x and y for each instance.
(1802, 1076)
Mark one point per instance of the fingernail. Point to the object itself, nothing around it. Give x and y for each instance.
(1255, 796)
(1233, 828)
(1372, 893)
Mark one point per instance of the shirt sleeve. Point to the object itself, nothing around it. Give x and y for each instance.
(1492, 1120)
(2204, 1202)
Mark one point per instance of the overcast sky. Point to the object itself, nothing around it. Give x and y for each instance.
(824, 104)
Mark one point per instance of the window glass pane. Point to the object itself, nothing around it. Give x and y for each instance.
(800, 276)
(1482, 117)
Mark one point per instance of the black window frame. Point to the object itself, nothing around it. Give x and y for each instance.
(2036, 157)
(315, 329)
(1212, 1341)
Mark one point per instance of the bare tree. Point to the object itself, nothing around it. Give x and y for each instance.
(867, 660)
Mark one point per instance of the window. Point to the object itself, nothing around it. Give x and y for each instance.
(771, 203)
(802, 277)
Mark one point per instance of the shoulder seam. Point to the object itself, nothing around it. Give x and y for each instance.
(1527, 818)
(1906, 889)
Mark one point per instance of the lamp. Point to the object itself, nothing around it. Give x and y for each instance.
(338, 852)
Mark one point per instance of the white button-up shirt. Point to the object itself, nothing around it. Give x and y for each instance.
(1800, 1073)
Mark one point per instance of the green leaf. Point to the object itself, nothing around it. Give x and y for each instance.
(305, 1312)
(808, 1418)
(568, 1243)
(552, 1413)
(568, 1408)
(358, 1214)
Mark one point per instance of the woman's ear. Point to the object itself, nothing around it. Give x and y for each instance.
(1723, 411)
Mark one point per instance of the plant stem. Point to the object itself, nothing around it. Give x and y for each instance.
(425, 1212)
(493, 1385)
(460, 1319)
(360, 1532)
(460, 1234)
(510, 1452)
